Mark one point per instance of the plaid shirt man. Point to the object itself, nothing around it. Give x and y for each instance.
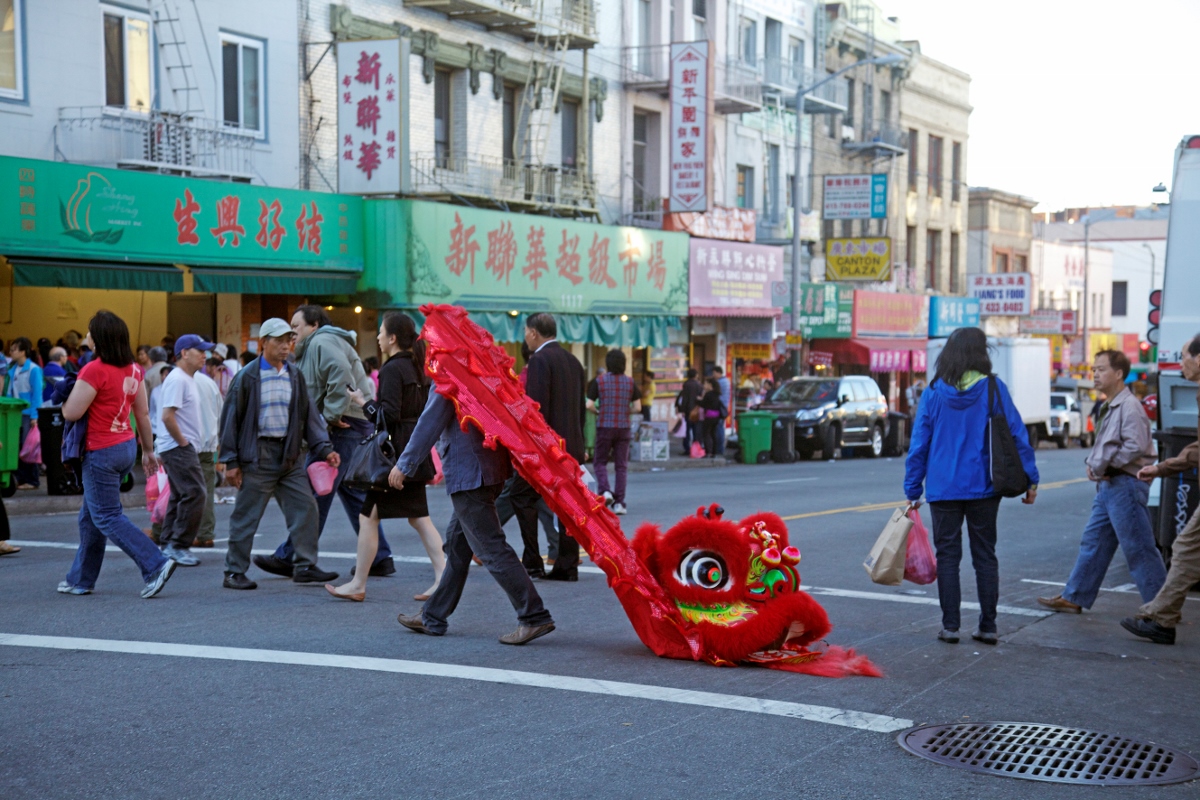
(615, 393)
(276, 395)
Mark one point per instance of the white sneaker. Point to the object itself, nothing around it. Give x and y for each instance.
(180, 555)
(619, 509)
(608, 498)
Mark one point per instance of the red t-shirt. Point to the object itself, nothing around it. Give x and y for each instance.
(108, 416)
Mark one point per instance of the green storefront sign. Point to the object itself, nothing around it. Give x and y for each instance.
(494, 261)
(235, 234)
(826, 311)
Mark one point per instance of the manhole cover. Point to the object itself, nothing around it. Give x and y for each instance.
(1049, 753)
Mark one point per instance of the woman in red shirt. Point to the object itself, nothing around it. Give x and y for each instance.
(108, 388)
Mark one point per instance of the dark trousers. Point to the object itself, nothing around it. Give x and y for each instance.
(646, 412)
(185, 508)
(475, 528)
(709, 441)
(693, 435)
(505, 510)
(5, 532)
(524, 499)
(345, 440)
(614, 442)
(948, 516)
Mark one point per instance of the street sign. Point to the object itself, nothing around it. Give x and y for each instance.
(856, 196)
(858, 259)
(1004, 294)
(689, 127)
(1050, 321)
(372, 78)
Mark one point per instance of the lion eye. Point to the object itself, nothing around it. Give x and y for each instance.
(702, 568)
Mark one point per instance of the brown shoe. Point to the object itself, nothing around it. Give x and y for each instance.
(7, 549)
(205, 543)
(416, 624)
(1057, 603)
(526, 633)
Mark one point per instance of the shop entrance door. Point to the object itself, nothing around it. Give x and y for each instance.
(192, 313)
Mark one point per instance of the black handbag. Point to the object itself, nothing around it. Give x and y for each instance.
(1008, 474)
(372, 460)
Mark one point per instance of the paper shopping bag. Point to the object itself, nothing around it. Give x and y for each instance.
(885, 563)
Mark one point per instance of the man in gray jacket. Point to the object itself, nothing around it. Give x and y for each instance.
(1119, 513)
(474, 477)
(328, 358)
(267, 417)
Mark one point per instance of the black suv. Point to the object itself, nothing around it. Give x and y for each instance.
(833, 413)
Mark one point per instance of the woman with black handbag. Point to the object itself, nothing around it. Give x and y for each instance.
(403, 390)
(969, 448)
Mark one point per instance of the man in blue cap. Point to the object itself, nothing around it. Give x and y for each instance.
(177, 442)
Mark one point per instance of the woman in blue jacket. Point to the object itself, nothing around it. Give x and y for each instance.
(25, 383)
(950, 454)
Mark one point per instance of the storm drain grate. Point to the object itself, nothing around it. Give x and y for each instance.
(1049, 753)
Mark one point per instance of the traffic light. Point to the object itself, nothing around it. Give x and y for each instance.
(1146, 353)
(1154, 316)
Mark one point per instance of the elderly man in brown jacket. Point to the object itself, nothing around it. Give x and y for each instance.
(1119, 513)
(1157, 619)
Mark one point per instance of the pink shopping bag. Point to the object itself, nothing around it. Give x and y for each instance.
(31, 448)
(322, 477)
(920, 564)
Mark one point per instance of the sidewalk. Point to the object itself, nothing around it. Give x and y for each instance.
(677, 461)
(34, 502)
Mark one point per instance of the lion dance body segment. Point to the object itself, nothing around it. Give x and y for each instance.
(706, 590)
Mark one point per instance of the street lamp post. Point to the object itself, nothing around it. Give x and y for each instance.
(1087, 270)
(801, 91)
(1150, 250)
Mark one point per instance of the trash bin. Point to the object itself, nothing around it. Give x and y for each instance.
(896, 442)
(10, 439)
(59, 479)
(754, 436)
(783, 439)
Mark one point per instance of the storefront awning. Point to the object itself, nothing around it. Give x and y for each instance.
(239, 281)
(580, 328)
(878, 354)
(96, 275)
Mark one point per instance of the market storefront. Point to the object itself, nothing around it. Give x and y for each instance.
(170, 255)
(607, 286)
(887, 341)
(825, 316)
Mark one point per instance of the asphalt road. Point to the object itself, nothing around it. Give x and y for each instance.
(318, 698)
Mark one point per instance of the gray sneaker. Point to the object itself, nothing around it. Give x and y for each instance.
(159, 580)
(180, 555)
(619, 509)
(68, 588)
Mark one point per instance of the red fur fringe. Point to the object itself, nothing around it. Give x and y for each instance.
(835, 662)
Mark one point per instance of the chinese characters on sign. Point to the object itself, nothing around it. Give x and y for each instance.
(719, 222)
(1003, 294)
(858, 259)
(371, 82)
(856, 196)
(689, 127)
(887, 314)
(729, 276)
(824, 311)
(948, 314)
(889, 360)
(1046, 320)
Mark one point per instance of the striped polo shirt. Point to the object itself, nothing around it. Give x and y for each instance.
(275, 395)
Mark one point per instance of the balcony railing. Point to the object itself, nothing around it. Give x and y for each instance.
(884, 139)
(159, 141)
(501, 180)
(736, 86)
(573, 19)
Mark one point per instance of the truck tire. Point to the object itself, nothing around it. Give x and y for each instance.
(1064, 439)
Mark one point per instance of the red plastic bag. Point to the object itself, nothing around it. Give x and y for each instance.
(697, 450)
(31, 448)
(159, 511)
(920, 564)
(438, 476)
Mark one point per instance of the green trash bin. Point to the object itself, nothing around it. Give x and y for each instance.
(10, 435)
(754, 436)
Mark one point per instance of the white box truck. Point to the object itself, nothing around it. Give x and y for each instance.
(1023, 363)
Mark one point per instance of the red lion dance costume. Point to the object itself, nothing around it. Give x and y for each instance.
(706, 590)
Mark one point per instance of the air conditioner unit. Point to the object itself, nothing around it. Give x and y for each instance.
(847, 133)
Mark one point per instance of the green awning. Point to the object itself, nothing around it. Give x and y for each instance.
(608, 331)
(97, 275)
(245, 281)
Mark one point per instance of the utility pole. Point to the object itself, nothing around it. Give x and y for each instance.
(1087, 275)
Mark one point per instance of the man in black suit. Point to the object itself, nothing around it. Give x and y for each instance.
(555, 379)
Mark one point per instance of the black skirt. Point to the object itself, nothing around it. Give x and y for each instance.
(408, 503)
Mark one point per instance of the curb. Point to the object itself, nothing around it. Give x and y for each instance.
(63, 504)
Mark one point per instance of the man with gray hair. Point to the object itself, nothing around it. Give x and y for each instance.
(154, 373)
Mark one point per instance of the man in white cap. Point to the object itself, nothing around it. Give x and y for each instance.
(268, 414)
(177, 443)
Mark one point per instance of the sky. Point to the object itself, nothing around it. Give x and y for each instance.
(1076, 103)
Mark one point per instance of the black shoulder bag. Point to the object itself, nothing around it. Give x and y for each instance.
(372, 459)
(1008, 474)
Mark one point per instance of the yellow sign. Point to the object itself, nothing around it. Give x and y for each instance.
(858, 259)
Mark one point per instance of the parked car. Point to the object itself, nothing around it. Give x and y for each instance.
(1066, 420)
(833, 413)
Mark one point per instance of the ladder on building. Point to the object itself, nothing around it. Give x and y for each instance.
(862, 14)
(176, 60)
(537, 111)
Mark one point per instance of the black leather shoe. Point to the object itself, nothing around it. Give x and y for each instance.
(380, 569)
(536, 572)
(238, 580)
(557, 574)
(415, 623)
(274, 565)
(526, 633)
(313, 575)
(1149, 629)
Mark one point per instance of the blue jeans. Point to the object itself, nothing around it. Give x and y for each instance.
(1119, 517)
(101, 518)
(980, 516)
(345, 440)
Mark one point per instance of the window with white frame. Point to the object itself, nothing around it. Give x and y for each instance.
(128, 77)
(11, 80)
(243, 90)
